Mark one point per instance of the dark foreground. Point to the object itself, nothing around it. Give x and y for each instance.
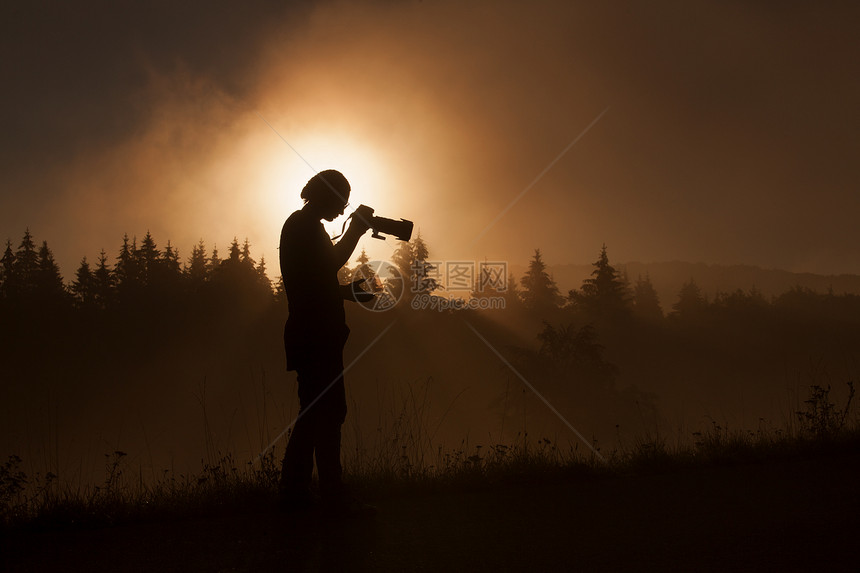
(799, 515)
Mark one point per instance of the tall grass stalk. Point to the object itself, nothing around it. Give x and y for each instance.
(403, 458)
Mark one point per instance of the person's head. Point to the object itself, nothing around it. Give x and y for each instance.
(328, 193)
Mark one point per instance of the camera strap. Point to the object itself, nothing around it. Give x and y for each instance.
(342, 229)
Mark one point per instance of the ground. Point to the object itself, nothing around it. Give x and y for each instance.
(791, 515)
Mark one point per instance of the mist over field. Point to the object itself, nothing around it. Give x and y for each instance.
(703, 131)
(180, 368)
(150, 154)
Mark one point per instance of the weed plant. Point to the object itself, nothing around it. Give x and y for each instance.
(406, 461)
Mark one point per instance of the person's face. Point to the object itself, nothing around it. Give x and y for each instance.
(335, 207)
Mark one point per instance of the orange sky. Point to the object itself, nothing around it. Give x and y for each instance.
(729, 135)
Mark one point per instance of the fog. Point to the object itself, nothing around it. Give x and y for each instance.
(708, 132)
(727, 135)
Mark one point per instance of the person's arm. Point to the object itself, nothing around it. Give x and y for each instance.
(355, 292)
(358, 225)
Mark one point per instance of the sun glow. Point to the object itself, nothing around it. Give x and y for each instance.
(287, 170)
(283, 170)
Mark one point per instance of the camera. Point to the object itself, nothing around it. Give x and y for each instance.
(401, 229)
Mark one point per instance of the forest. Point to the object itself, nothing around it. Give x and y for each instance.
(180, 359)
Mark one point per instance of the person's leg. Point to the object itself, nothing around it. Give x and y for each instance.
(336, 498)
(298, 464)
(297, 467)
(328, 440)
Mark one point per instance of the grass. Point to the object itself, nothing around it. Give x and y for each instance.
(407, 464)
(41, 502)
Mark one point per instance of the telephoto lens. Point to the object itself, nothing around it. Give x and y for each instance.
(401, 229)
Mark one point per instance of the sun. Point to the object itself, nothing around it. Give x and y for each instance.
(281, 171)
(288, 167)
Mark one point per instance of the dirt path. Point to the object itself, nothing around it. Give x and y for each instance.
(786, 516)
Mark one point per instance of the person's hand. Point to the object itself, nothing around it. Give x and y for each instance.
(354, 292)
(361, 219)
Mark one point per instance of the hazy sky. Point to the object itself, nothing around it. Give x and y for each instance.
(730, 132)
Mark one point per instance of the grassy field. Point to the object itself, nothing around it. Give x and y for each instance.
(789, 514)
(770, 499)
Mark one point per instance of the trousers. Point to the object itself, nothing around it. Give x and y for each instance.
(317, 431)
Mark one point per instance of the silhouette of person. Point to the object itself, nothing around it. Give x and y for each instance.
(314, 338)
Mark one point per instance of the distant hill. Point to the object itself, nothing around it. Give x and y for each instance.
(668, 277)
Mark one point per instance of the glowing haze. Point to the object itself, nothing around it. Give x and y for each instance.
(730, 135)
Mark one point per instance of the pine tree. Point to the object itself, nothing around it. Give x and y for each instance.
(167, 272)
(540, 293)
(280, 290)
(230, 269)
(513, 296)
(197, 269)
(646, 303)
(83, 287)
(235, 257)
(127, 268)
(403, 257)
(170, 260)
(246, 254)
(411, 259)
(214, 262)
(148, 258)
(237, 278)
(362, 258)
(605, 293)
(420, 250)
(361, 271)
(691, 303)
(103, 283)
(7, 272)
(25, 267)
(262, 277)
(49, 282)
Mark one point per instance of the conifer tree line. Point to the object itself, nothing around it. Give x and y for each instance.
(609, 295)
(30, 278)
(141, 271)
(610, 355)
(145, 307)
